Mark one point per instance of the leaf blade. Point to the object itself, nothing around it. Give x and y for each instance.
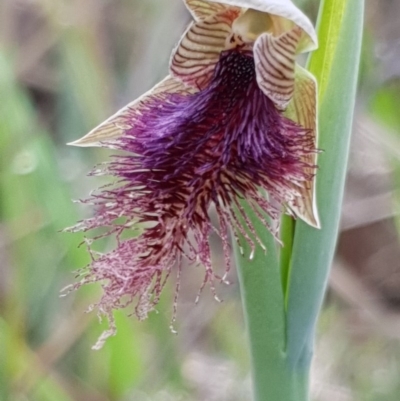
(335, 66)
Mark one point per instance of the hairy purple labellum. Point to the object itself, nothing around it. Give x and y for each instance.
(185, 154)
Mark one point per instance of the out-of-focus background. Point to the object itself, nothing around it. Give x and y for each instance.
(66, 65)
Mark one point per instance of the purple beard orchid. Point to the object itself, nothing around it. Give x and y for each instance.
(234, 121)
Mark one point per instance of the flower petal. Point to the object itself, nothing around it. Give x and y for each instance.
(275, 60)
(115, 126)
(201, 9)
(199, 50)
(303, 110)
(286, 10)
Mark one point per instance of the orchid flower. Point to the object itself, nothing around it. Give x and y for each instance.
(235, 119)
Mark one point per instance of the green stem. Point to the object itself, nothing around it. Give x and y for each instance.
(264, 306)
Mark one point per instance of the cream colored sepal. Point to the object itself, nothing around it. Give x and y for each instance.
(121, 121)
(201, 9)
(303, 110)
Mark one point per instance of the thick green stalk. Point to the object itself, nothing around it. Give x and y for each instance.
(264, 306)
(281, 339)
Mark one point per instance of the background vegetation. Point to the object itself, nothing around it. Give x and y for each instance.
(67, 65)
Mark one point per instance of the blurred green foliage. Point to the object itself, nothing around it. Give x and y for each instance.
(64, 67)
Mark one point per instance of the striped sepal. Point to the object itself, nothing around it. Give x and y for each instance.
(303, 110)
(275, 59)
(116, 125)
(202, 9)
(198, 52)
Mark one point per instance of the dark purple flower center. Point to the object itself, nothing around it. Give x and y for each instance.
(186, 153)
